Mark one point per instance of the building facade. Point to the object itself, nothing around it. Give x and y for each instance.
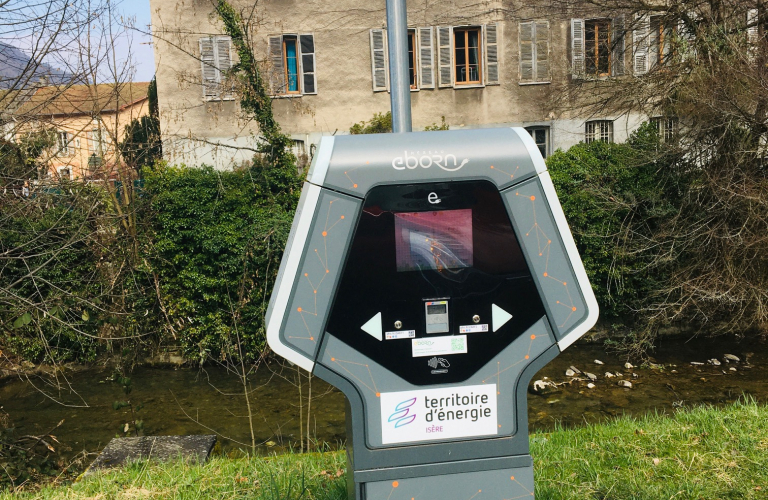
(491, 63)
(88, 120)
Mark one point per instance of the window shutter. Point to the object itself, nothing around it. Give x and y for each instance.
(426, 59)
(526, 51)
(445, 55)
(753, 29)
(308, 71)
(208, 67)
(379, 60)
(491, 32)
(640, 45)
(224, 63)
(541, 35)
(618, 49)
(277, 72)
(577, 48)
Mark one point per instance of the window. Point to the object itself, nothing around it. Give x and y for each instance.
(660, 41)
(597, 47)
(534, 52)
(63, 143)
(412, 58)
(666, 127)
(65, 174)
(466, 44)
(292, 60)
(540, 136)
(216, 60)
(420, 59)
(468, 56)
(599, 130)
(96, 142)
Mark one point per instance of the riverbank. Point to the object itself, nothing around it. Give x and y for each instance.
(705, 452)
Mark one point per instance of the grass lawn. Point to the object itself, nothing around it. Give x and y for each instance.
(701, 453)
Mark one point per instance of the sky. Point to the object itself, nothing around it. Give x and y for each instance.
(141, 45)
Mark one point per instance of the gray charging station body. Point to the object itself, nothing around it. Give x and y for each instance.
(429, 276)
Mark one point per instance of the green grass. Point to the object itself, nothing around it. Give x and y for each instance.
(702, 453)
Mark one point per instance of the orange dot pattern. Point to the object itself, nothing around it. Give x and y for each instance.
(542, 250)
(316, 282)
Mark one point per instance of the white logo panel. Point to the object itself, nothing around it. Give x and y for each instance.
(433, 414)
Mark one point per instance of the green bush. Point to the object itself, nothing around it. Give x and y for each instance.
(219, 238)
(612, 197)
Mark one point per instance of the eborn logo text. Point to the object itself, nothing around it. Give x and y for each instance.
(425, 160)
(403, 415)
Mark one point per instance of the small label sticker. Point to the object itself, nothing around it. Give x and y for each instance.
(404, 334)
(473, 328)
(435, 346)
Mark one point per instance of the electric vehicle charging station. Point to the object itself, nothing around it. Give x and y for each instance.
(428, 276)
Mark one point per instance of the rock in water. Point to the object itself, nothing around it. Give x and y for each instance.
(569, 373)
(609, 375)
(628, 365)
(590, 385)
(575, 370)
(696, 363)
(543, 387)
(731, 357)
(598, 362)
(714, 361)
(625, 383)
(591, 376)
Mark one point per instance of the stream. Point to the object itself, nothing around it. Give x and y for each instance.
(211, 401)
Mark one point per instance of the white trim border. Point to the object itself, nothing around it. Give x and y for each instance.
(573, 255)
(322, 160)
(533, 152)
(283, 293)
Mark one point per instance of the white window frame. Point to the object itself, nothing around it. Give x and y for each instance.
(277, 70)
(424, 58)
(547, 137)
(63, 143)
(489, 46)
(591, 131)
(213, 64)
(61, 169)
(616, 42)
(667, 127)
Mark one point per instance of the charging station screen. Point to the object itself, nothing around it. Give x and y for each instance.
(433, 240)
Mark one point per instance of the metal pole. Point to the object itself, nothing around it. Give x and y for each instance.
(399, 78)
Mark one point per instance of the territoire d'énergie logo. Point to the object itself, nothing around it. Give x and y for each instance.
(403, 414)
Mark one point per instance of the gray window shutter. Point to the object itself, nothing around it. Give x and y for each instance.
(526, 51)
(308, 71)
(208, 67)
(577, 48)
(618, 49)
(426, 58)
(491, 36)
(445, 56)
(753, 29)
(379, 60)
(224, 64)
(640, 45)
(277, 71)
(541, 36)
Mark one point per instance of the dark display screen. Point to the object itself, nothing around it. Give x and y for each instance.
(438, 309)
(433, 240)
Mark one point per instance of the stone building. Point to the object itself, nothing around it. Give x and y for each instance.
(490, 63)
